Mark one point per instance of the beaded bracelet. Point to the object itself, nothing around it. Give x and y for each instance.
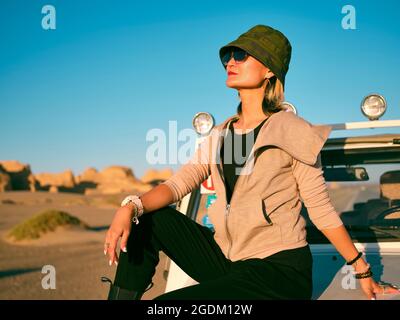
(367, 274)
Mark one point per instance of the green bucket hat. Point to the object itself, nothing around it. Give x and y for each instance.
(267, 45)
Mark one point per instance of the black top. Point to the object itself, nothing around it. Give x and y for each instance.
(233, 165)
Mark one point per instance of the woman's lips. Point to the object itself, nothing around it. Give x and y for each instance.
(231, 73)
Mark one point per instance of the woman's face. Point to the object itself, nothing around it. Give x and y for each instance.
(248, 74)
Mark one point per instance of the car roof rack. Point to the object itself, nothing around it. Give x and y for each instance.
(365, 124)
(364, 141)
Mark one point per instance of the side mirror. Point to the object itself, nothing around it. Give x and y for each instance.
(346, 174)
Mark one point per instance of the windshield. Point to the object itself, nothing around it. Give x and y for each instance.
(370, 210)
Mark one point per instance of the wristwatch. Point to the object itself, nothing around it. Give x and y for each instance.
(139, 210)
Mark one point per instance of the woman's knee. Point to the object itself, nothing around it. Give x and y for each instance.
(161, 222)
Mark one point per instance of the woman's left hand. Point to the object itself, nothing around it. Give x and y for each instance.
(371, 288)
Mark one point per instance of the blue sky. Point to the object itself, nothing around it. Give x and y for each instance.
(87, 93)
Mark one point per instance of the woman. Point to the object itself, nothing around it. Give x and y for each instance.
(259, 249)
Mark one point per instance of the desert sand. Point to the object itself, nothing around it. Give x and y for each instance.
(76, 254)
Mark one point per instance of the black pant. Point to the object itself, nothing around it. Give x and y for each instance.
(284, 275)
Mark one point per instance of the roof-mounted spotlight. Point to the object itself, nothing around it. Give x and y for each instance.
(373, 106)
(288, 107)
(203, 122)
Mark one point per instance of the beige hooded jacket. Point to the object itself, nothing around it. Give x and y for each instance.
(283, 169)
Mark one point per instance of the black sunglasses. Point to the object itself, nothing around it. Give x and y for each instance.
(239, 55)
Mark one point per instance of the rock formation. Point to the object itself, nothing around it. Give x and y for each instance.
(111, 180)
(89, 175)
(154, 176)
(20, 175)
(60, 180)
(5, 181)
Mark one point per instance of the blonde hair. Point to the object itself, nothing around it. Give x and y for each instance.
(273, 97)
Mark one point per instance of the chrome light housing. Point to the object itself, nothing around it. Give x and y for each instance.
(288, 107)
(373, 106)
(203, 122)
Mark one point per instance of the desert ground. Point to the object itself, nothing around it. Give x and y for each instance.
(76, 254)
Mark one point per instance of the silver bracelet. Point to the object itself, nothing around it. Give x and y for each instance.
(139, 210)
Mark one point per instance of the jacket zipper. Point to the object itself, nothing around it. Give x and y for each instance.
(227, 209)
(228, 205)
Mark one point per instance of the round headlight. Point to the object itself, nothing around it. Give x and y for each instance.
(373, 106)
(287, 106)
(203, 122)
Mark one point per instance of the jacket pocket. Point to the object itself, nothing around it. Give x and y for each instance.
(265, 213)
(253, 229)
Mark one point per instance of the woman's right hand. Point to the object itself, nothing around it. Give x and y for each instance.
(120, 227)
